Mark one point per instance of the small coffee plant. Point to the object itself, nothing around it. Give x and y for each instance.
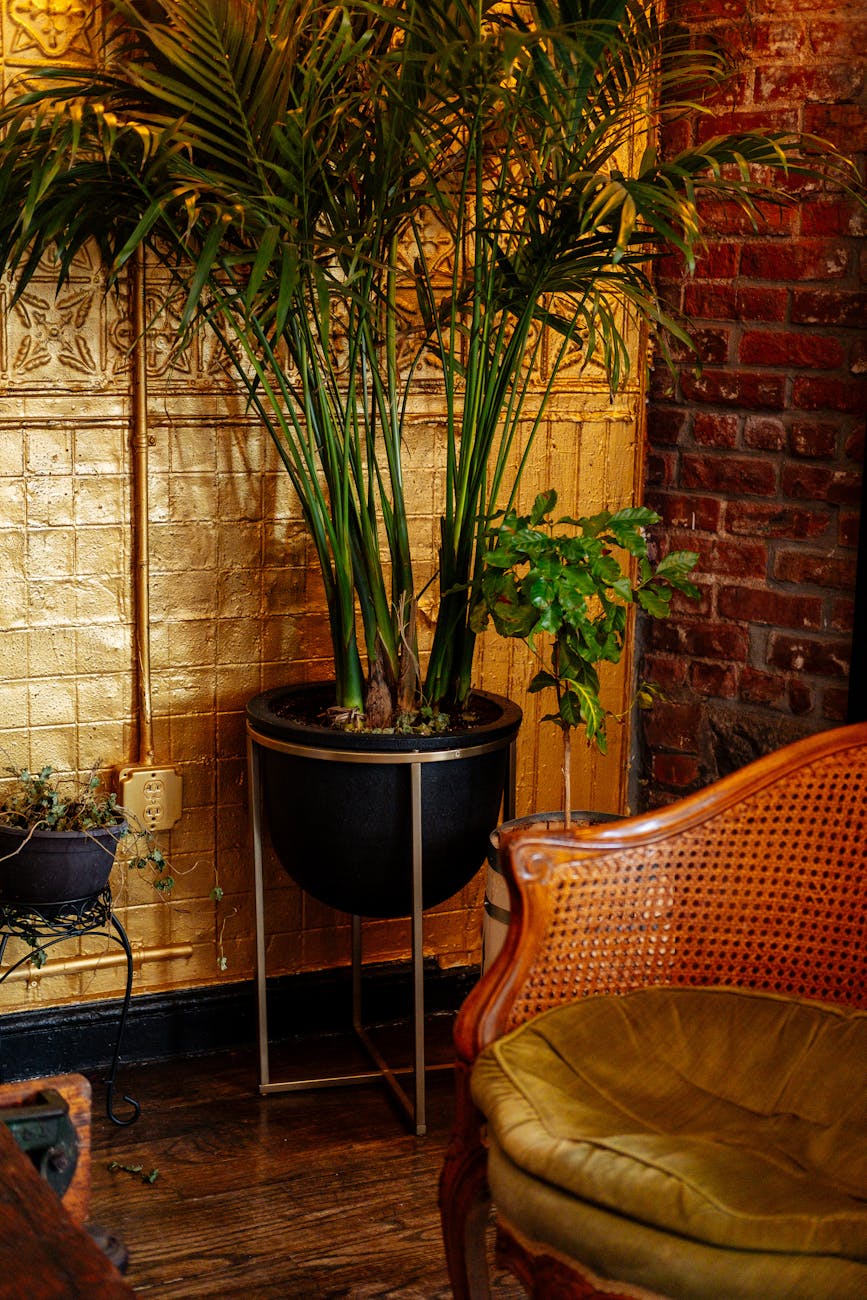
(565, 587)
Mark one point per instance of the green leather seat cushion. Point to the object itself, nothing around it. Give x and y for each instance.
(661, 1263)
(732, 1118)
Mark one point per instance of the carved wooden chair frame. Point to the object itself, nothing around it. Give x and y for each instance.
(755, 882)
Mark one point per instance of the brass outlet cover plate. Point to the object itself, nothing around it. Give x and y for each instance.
(152, 795)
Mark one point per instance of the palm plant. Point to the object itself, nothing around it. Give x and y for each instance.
(285, 162)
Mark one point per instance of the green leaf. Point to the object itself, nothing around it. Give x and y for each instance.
(501, 558)
(262, 263)
(512, 615)
(606, 571)
(622, 588)
(591, 525)
(542, 506)
(539, 590)
(576, 585)
(592, 714)
(570, 709)
(479, 616)
(654, 602)
(204, 267)
(677, 564)
(550, 618)
(286, 293)
(634, 517)
(541, 682)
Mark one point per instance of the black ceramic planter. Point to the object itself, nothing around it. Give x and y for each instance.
(343, 829)
(55, 866)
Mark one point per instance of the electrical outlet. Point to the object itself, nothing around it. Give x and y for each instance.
(151, 795)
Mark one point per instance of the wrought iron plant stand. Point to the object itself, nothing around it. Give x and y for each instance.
(42, 927)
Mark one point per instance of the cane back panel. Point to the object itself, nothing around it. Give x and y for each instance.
(756, 883)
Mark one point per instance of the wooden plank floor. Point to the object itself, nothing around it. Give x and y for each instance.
(314, 1194)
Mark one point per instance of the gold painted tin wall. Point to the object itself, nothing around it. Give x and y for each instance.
(236, 606)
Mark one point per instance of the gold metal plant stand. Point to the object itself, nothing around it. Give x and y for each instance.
(415, 1108)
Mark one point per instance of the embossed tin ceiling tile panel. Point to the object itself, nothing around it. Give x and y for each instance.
(37, 30)
(70, 333)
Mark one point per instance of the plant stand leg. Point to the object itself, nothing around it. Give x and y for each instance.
(254, 767)
(418, 954)
(416, 1112)
(4, 939)
(120, 937)
(511, 781)
(268, 1085)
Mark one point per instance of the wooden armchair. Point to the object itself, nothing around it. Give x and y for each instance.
(662, 1077)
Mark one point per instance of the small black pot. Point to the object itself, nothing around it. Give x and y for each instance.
(55, 866)
(343, 830)
(498, 906)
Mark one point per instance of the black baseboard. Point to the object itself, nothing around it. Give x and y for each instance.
(193, 1022)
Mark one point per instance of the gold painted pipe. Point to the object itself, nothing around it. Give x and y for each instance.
(140, 445)
(77, 965)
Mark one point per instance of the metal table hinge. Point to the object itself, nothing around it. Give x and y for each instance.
(43, 1130)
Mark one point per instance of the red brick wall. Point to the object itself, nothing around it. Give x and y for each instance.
(756, 462)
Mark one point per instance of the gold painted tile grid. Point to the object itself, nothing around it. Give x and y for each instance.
(235, 608)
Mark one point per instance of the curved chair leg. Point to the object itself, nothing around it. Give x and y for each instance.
(465, 1201)
(547, 1276)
